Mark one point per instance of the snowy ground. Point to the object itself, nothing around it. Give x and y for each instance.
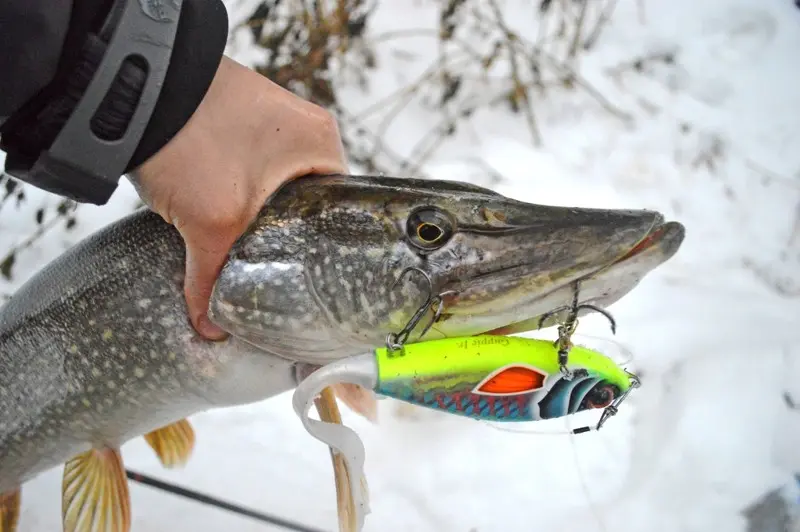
(715, 341)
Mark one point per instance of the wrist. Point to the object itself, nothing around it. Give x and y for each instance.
(199, 47)
(247, 137)
(229, 124)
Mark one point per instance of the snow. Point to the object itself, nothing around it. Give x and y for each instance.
(711, 332)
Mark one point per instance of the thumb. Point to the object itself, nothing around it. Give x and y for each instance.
(203, 265)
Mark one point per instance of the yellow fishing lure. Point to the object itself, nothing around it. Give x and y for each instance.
(487, 377)
(499, 378)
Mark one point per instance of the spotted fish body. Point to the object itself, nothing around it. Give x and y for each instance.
(97, 347)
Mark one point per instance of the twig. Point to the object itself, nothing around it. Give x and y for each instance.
(434, 138)
(789, 401)
(759, 168)
(41, 230)
(602, 20)
(519, 90)
(580, 81)
(396, 158)
(576, 39)
(405, 91)
(782, 286)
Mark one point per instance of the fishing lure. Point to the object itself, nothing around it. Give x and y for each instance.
(499, 378)
(484, 377)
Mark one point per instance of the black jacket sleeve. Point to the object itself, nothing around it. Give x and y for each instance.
(32, 34)
(50, 50)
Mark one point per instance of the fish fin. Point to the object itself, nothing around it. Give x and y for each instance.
(358, 399)
(95, 494)
(9, 510)
(173, 444)
(345, 503)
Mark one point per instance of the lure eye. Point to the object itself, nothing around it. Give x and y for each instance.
(601, 397)
(429, 228)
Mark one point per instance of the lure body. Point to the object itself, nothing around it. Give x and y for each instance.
(486, 377)
(498, 378)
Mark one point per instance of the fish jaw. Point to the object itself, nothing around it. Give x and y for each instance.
(334, 264)
(606, 286)
(557, 261)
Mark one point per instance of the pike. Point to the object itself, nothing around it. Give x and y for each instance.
(97, 349)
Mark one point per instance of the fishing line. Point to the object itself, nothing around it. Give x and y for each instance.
(218, 503)
(584, 486)
(621, 355)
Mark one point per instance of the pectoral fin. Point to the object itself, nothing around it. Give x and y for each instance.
(358, 399)
(95, 494)
(9, 510)
(172, 444)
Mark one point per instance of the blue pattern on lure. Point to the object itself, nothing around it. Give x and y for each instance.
(563, 398)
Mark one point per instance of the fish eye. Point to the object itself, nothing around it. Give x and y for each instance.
(601, 397)
(429, 228)
(428, 232)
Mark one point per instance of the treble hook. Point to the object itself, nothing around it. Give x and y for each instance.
(567, 328)
(395, 341)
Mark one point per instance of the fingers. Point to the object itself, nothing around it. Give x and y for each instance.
(202, 268)
(204, 260)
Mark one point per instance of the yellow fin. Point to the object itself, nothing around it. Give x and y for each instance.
(95, 494)
(173, 444)
(358, 399)
(9, 510)
(345, 504)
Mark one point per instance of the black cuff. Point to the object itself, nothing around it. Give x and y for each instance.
(200, 39)
(199, 46)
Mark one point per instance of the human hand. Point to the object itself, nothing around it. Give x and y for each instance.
(247, 138)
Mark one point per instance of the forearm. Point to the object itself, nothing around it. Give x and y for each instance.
(55, 54)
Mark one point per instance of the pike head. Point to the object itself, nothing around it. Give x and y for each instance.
(334, 264)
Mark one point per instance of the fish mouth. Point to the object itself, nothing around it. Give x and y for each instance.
(667, 237)
(611, 282)
(659, 245)
(601, 285)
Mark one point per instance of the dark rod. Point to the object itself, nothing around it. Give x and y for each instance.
(207, 499)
